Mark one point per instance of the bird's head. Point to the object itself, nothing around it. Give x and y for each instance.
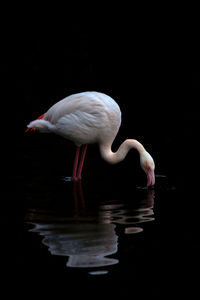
(147, 164)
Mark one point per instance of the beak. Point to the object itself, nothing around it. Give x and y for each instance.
(150, 177)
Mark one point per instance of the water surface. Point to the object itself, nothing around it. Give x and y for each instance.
(88, 235)
(109, 228)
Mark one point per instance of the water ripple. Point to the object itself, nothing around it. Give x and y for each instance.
(87, 236)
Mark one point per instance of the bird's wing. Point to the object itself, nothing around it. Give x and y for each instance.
(77, 104)
(39, 118)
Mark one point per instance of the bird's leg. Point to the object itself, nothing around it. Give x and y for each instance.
(74, 177)
(81, 195)
(78, 197)
(81, 162)
(75, 198)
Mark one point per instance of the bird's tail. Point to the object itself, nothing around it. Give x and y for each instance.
(40, 124)
(32, 128)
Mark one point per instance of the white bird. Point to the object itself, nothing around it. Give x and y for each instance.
(87, 118)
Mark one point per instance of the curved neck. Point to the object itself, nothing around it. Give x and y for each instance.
(120, 154)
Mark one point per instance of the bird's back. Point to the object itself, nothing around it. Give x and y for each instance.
(88, 102)
(85, 117)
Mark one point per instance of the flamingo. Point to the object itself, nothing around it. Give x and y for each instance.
(91, 117)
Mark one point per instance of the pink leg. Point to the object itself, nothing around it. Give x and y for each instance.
(81, 162)
(76, 163)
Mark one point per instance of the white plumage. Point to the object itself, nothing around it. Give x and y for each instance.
(91, 117)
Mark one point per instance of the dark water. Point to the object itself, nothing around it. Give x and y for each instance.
(108, 232)
(106, 229)
(88, 235)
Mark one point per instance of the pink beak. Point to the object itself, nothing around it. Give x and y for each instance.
(150, 177)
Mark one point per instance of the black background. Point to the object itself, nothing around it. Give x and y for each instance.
(137, 60)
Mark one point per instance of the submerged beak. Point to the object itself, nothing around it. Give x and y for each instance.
(150, 177)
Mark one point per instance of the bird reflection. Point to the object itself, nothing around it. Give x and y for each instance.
(88, 236)
(119, 214)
